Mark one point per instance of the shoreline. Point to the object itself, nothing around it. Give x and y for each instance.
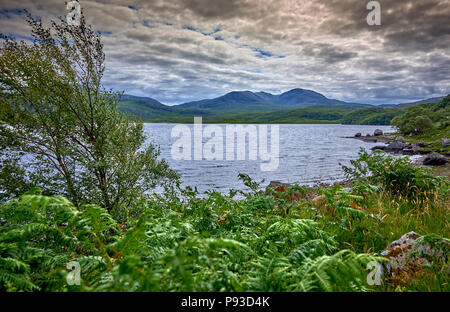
(394, 145)
(421, 153)
(257, 123)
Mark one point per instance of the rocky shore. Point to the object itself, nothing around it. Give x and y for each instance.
(395, 144)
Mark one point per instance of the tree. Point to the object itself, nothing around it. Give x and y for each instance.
(422, 124)
(415, 120)
(61, 129)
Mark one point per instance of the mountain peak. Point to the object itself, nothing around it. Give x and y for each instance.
(304, 92)
(241, 96)
(300, 90)
(302, 96)
(239, 92)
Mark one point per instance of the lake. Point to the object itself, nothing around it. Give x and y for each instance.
(308, 154)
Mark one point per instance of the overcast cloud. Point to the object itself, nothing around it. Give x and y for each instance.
(178, 51)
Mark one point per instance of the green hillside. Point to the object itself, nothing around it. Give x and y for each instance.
(238, 102)
(150, 110)
(425, 122)
(231, 109)
(371, 116)
(318, 114)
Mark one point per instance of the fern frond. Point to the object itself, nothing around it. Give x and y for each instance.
(343, 271)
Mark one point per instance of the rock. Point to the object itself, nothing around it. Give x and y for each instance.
(399, 252)
(378, 147)
(378, 132)
(358, 135)
(405, 256)
(395, 147)
(422, 152)
(400, 139)
(445, 142)
(319, 200)
(280, 187)
(368, 135)
(421, 144)
(435, 160)
(409, 151)
(370, 140)
(275, 184)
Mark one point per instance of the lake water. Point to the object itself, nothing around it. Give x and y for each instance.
(308, 154)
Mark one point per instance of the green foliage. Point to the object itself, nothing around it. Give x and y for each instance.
(187, 242)
(287, 234)
(416, 120)
(339, 272)
(248, 182)
(237, 247)
(36, 235)
(340, 199)
(371, 116)
(62, 131)
(396, 175)
(434, 250)
(421, 119)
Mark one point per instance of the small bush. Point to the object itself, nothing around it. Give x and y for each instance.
(395, 175)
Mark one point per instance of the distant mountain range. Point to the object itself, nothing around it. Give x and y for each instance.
(246, 105)
(404, 105)
(246, 101)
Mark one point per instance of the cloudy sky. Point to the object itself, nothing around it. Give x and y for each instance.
(183, 50)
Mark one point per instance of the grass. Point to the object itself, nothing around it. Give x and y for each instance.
(434, 137)
(287, 239)
(431, 136)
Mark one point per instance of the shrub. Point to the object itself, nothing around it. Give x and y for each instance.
(415, 120)
(395, 174)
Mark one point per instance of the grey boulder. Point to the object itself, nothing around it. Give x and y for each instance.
(395, 147)
(400, 139)
(445, 142)
(405, 253)
(435, 159)
(378, 132)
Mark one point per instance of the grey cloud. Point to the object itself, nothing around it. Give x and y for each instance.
(327, 44)
(330, 54)
(218, 9)
(406, 25)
